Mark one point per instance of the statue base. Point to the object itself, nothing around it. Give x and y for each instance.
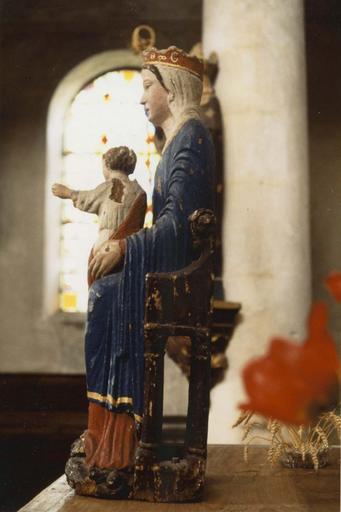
(178, 479)
(93, 481)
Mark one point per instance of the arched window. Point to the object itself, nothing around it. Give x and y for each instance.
(95, 107)
(104, 114)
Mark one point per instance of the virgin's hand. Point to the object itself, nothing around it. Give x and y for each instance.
(105, 259)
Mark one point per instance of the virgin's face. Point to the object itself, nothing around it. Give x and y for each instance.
(154, 99)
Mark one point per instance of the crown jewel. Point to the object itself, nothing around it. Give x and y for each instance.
(174, 57)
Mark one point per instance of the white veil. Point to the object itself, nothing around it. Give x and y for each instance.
(186, 90)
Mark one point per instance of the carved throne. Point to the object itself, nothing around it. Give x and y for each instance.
(178, 304)
(179, 309)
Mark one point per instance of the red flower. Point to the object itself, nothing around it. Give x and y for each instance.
(333, 283)
(295, 383)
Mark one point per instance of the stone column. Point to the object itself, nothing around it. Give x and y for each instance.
(261, 87)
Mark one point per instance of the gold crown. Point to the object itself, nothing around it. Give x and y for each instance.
(174, 57)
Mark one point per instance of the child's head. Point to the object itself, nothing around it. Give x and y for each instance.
(120, 158)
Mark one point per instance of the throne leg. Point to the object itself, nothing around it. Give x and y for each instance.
(198, 409)
(146, 455)
(198, 395)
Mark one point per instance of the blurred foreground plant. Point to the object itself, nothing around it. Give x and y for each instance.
(296, 386)
(333, 284)
(296, 446)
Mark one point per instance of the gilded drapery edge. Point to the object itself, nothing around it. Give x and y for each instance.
(113, 401)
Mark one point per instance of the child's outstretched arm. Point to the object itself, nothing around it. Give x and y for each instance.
(63, 191)
(85, 200)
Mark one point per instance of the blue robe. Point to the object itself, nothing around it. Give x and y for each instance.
(114, 345)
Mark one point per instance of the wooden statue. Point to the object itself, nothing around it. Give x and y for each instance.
(104, 461)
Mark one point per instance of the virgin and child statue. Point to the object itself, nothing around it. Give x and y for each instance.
(114, 337)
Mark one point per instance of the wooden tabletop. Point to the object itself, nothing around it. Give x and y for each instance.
(231, 486)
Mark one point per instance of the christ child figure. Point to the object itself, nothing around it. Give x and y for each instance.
(119, 202)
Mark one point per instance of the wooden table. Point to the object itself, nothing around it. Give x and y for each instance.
(232, 486)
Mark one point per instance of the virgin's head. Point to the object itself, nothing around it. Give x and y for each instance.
(172, 83)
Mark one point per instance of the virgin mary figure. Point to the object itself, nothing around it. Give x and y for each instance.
(184, 181)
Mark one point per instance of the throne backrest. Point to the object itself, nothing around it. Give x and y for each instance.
(184, 297)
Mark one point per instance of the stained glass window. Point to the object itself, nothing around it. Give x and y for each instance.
(104, 114)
